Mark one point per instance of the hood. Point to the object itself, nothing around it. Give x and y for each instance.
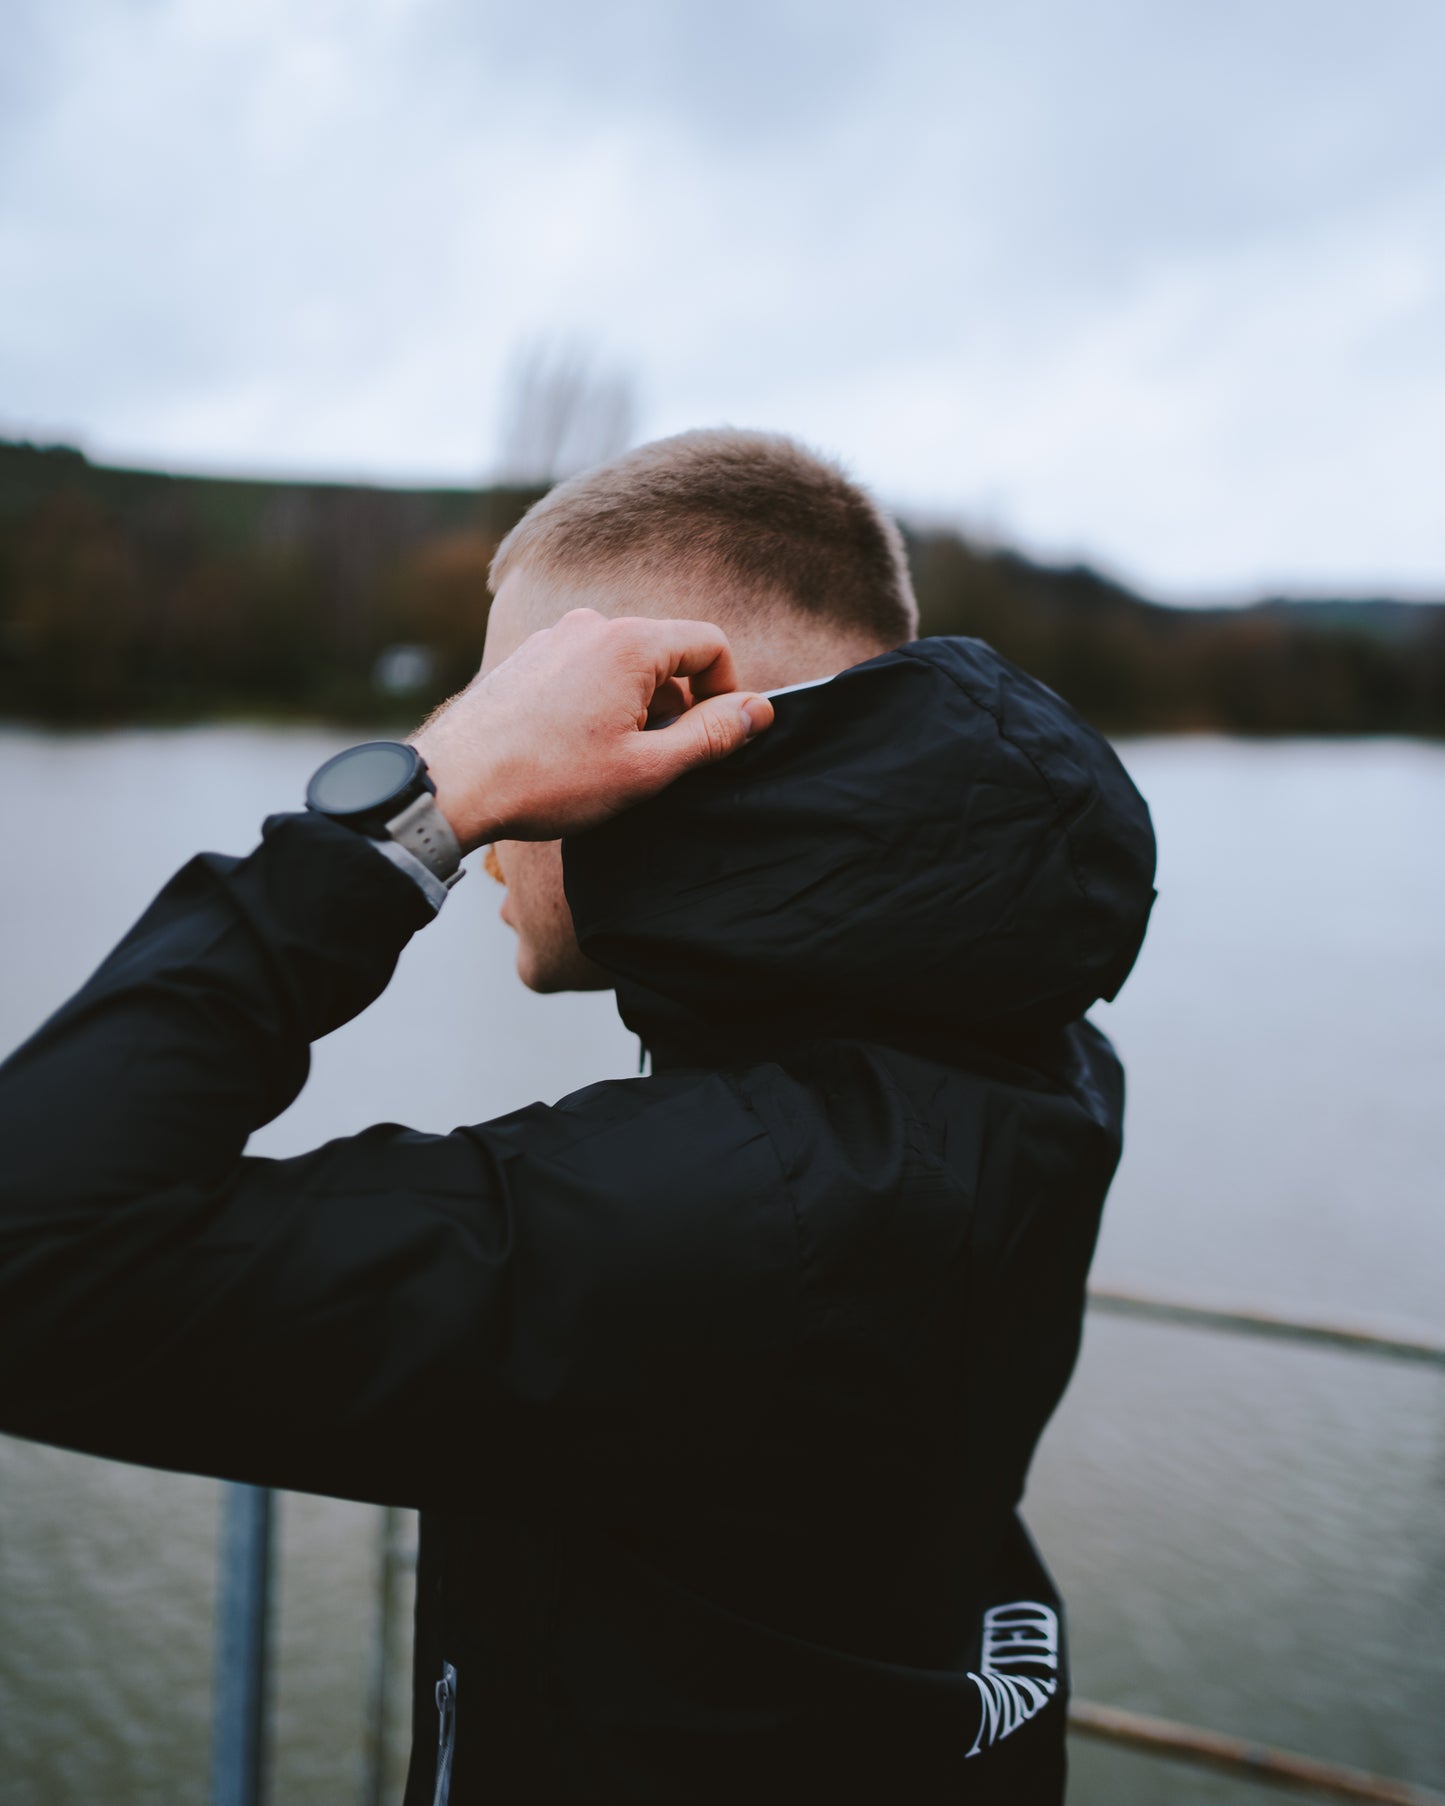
(930, 845)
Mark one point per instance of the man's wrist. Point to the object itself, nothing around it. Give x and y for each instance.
(468, 790)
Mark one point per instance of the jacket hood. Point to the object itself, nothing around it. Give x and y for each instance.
(931, 844)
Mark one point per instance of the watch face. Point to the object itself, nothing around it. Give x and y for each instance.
(363, 778)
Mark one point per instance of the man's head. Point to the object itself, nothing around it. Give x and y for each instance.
(796, 563)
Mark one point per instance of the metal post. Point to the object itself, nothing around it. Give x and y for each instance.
(243, 1611)
(373, 1749)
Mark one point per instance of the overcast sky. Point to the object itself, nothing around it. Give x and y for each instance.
(1153, 283)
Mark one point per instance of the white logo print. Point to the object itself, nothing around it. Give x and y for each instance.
(1019, 1667)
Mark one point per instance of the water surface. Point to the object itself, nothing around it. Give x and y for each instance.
(1250, 1537)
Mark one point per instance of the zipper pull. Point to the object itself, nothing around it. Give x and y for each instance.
(446, 1694)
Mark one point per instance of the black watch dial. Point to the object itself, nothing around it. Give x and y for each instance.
(373, 780)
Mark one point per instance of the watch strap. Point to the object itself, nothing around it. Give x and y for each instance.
(426, 881)
(427, 835)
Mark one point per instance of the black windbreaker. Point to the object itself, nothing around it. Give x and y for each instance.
(716, 1388)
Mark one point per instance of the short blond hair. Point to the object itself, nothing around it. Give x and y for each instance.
(755, 516)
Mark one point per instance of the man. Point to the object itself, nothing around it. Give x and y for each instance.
(716, 1388)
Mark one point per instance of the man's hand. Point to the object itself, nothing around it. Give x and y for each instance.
(552, 739)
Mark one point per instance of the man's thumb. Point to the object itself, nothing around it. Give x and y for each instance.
(713, 728)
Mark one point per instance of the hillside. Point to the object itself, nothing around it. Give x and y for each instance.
(134, 596)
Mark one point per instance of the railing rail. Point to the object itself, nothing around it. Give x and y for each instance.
(1237, 1756)
(239, 1727)
(1351, 1338)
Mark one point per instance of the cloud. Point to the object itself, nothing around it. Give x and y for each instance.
(1155, 283)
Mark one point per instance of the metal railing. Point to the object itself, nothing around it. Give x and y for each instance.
(1310, 1330)
(240, 1720)
(238, 1758)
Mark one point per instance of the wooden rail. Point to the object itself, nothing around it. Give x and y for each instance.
(1236, 1756)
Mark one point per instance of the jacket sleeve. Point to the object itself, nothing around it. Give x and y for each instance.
(438, 1320)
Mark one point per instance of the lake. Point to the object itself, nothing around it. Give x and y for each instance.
(1250, 1536)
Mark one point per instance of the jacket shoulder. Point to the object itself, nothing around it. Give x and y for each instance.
(651, 1229)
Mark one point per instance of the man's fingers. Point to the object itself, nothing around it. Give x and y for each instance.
(693, 649)
(547, 743)
(722, 717)
(710, 730)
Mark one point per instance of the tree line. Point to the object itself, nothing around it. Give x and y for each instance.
(129, 596)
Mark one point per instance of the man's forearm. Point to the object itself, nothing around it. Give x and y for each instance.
(166, 1298)
(191, 1034)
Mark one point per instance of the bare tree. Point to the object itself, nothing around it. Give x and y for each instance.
(562, 413)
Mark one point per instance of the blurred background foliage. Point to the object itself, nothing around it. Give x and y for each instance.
(131, 596)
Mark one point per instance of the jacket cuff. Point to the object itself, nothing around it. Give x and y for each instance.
(322, 885)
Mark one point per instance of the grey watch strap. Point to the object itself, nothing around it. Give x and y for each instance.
(427, 835)
(426, 881)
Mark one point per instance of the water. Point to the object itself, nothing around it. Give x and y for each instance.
(1250, 1537)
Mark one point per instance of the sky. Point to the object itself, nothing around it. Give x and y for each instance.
(1156, 285)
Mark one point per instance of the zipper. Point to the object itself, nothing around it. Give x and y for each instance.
(446, 1732)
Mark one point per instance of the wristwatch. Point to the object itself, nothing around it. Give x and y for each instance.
(381, 788)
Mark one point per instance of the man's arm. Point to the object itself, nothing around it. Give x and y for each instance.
(333, 1321)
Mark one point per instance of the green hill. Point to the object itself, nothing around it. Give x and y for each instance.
(134, 596)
